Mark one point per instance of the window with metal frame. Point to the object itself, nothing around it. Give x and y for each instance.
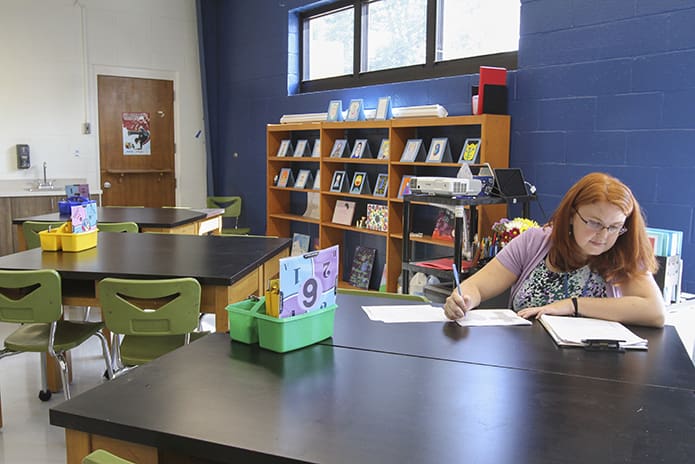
(352, 43)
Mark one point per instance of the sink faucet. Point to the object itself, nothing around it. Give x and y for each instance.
(45, 184)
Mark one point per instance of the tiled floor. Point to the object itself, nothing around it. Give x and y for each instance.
(28, 438)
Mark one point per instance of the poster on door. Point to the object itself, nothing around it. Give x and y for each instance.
(136, 133)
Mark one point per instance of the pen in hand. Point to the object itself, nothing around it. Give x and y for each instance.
(458, 283)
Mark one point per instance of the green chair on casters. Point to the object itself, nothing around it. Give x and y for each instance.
(149, 318)
(232, 211)
(31, 231)
(374, 293)
(103, 457)
(34, 300)
(129, 227)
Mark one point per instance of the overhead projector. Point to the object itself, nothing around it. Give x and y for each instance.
(445, 186)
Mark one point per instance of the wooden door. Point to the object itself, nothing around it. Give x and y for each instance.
(136, 141)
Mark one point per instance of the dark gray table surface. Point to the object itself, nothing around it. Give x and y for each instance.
(144, 217)
(212, 260)
(223, 401)
(666, 363)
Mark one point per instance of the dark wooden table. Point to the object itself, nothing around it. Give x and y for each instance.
(222, 401)
(163, 220)
(229, 269)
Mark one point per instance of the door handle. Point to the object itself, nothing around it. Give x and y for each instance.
(107, 184)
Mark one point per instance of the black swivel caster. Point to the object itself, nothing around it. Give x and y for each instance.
(45, 395)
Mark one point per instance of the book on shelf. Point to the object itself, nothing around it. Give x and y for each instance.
(301, 149)
(362, 265)
(439, 151)
(382, 185)
(413, 151)
(405, 187)
(340, 148)
(361, 149)
(312, 205)
(665, 242)
(304, 179)
(285, 178)
(316, 151)
(377, 217)
(339, 182)
(470, 151)
(335, 110)
(285, 148)
(344, 212)
(360, 184)
(317, 180)
(384, 149)
(355, 110)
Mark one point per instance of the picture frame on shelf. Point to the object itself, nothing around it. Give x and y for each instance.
(343, 212)
(404, 189)
(383, 109)
(439, 151)
(355, 110)
(285, 178)
(304, 178)
(335, 110)
(360, 184)
(300, 244)
(470, 151)
(338, 183)
(340, 148)
(361, 149)
(316, 151)
(382, 185)
(317, 180)
(413, 151)
(384, 149)
(362, 265)
(377, 217)
(301, 149)
(284, 149)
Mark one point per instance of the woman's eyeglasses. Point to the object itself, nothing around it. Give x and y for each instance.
(598, 227)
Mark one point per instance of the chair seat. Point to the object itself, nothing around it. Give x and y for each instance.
(103, 457)
(136, 349)
(34, 337)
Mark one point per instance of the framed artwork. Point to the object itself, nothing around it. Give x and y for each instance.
(285, 148)
(361, 147)
(286, 178)
(300, 244)
(384, 149)
(303, 178)
(377, 217)
(382, 185)
(404, 189)
(411, 151)
(355, 110)
(359, 183)
(338, 182)
(317, 180)
(301, 148)
(439, 151)
(383, 109)
(335, 110)
(470, 151)
(316, 152)
(339, 148)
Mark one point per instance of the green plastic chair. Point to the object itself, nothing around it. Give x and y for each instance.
(374, 293)
(232, 210)
(34, 300)
(31, 231)
(149, 318)
(104, 457)
(129, 227)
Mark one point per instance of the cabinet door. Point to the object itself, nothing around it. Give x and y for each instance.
(31, 206)
(6, 244)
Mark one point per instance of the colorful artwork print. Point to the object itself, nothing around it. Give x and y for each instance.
(136, 133)
(308, 282)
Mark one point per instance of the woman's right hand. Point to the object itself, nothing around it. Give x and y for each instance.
(456, 305)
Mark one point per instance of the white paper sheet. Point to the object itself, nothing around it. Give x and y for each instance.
(429, 313)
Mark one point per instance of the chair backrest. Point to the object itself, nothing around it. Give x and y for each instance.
(31, 231)
(30, 296)
(118, 227)
(396, 296)
(150, 307)
(231, 205)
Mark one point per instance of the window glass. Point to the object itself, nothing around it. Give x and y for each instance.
(476, 27)
(394, 33)
(329, 44)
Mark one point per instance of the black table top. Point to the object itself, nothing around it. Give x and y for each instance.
(223, 401)
(144, 217)
(665, 363)
(212, 260)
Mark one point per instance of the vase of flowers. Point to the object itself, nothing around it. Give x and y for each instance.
(505, 229)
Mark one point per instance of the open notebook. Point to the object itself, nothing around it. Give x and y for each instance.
(579, 331)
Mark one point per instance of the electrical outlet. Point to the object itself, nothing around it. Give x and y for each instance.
(86, 128)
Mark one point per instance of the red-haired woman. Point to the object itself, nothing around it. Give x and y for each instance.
(592, 259)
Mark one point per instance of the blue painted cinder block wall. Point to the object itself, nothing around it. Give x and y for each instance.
(601, 85)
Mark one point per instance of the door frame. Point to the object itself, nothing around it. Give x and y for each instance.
(119, 71)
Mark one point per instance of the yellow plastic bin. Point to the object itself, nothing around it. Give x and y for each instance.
(81, 241)
(51, 239)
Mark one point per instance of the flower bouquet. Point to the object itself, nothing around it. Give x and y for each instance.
(506, 229)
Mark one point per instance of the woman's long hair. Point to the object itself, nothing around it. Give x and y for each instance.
(631, 254)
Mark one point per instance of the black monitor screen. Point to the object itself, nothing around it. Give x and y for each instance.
(510, 182)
